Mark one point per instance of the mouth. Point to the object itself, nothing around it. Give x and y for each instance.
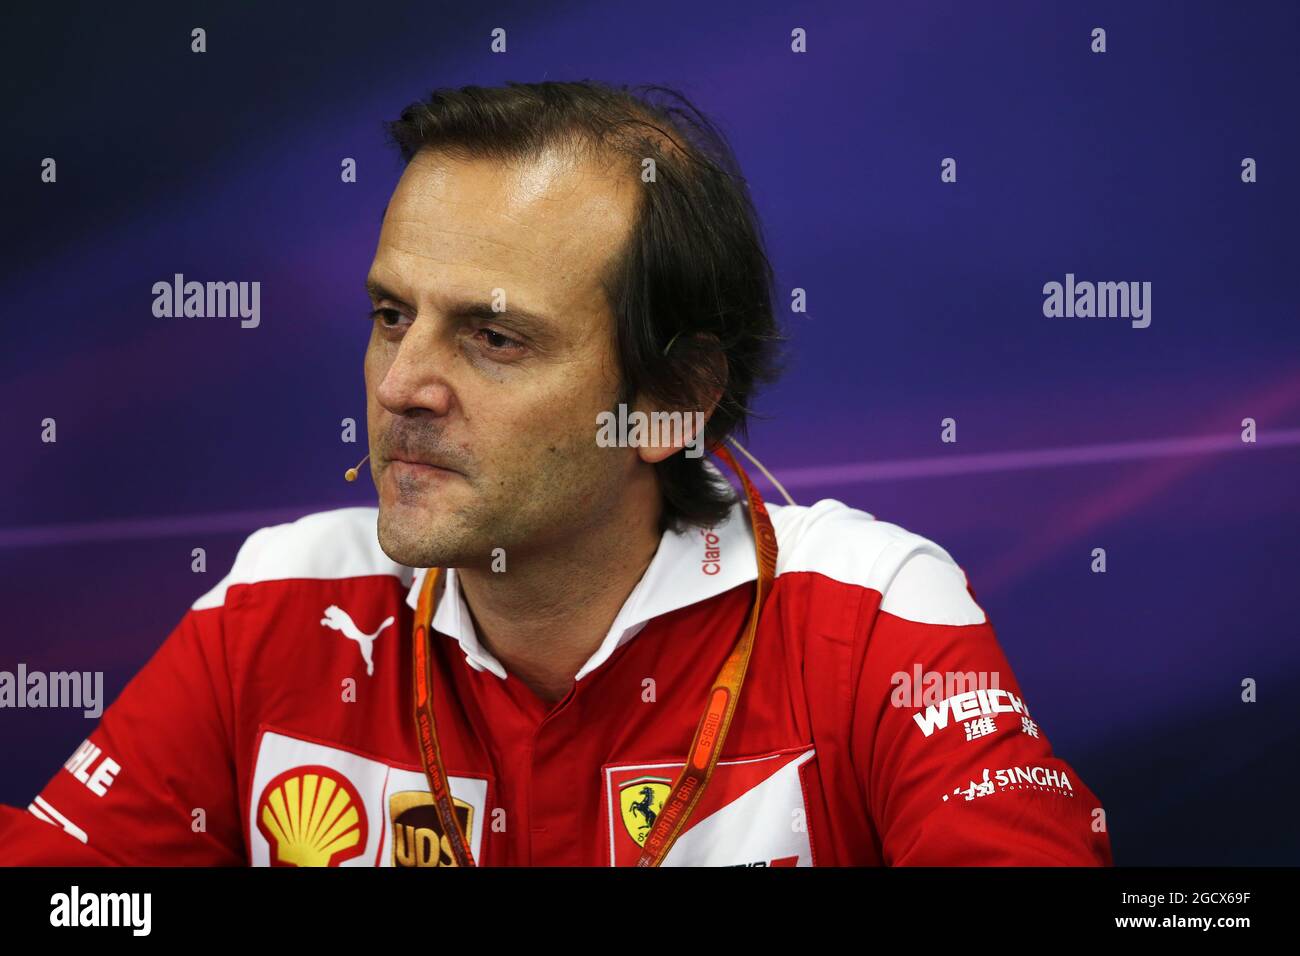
(420, 468)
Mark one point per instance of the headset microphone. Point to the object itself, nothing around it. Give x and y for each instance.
(351, 473)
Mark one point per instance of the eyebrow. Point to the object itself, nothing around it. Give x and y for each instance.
(525, 321)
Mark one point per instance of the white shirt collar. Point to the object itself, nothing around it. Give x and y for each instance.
(687, 568)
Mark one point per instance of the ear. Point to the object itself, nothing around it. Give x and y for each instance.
(669, 432)
(707, 366)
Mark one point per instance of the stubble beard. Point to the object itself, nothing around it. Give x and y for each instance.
(553, 505)
(415, 538)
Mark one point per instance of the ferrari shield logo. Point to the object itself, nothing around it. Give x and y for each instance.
(641, 801)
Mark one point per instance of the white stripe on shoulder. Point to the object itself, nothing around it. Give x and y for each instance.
(918, 580)
(343, 543)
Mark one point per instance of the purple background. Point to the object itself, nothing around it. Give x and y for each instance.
(924, 298)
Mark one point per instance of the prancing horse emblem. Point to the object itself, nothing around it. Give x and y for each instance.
(641, 801)
(339, 619)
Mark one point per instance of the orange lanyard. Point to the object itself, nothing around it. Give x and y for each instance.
(710, 733)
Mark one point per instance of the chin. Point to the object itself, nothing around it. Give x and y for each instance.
(406, 535)
(419, 537)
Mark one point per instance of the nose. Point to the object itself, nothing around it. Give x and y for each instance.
(415, 380)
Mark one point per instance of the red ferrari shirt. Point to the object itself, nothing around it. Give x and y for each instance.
(879, 722)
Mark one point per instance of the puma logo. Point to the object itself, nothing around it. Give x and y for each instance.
(339, 620)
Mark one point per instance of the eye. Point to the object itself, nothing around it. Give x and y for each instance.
(498, 342)
(382, 317)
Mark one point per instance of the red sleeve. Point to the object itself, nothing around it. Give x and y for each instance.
(954, 766)
(128, 795)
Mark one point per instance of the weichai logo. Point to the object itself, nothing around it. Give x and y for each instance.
(312, 816)
(418, 837)
(969, 705)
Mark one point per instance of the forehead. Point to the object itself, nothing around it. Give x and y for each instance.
(544, 227)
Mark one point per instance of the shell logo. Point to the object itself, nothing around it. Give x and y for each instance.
(312, 816)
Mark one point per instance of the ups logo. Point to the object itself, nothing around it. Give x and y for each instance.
(418, 839)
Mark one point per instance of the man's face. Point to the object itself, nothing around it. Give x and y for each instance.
(506, 400)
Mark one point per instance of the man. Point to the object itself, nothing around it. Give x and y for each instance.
(619, 661)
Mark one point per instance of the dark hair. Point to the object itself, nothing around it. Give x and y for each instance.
(693, 279)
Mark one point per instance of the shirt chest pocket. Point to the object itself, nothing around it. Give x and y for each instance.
(753, 812)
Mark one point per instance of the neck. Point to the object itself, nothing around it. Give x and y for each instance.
(547, 613)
